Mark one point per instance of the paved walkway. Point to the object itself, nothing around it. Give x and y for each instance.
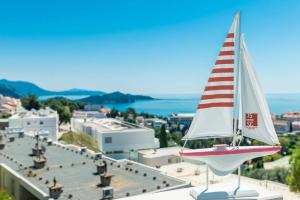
(282, 162)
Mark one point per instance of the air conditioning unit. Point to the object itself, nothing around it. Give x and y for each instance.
(49, 142)
(107, 192)
(83, 149)
(98, 156)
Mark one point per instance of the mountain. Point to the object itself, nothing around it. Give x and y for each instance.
(115, 97)
(79, 92)
(18, 89)
(23, 88)
(7, 91)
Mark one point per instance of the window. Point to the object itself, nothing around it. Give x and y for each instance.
(107, 140)
(41, 122)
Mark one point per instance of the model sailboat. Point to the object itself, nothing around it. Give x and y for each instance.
(232, 105)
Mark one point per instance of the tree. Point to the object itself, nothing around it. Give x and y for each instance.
(113, 113)
(163, 137)
(258, 163)
(64, 114)
(285, 143)
(5, 115)
(4, 195)
(131, 111)
(64, 107)
(294, 177)
(277, 174)
(31, 102)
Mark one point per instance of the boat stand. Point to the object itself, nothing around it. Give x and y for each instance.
(223, 191)
(207, 177)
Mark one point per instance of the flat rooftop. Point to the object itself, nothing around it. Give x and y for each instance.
(183, 115)
(280, 122)
(48, 112)
(76, 171)
(153, 153)
(109, 124)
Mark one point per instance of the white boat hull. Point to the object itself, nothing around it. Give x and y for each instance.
(226, 160)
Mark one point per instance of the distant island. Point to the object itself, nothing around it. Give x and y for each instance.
(18, 89)
(114, 98)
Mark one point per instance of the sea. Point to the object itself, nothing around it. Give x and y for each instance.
(187, 103)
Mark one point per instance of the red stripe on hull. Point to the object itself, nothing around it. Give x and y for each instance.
(226, 53)
(217, 79)
(220, 62)
(217, 96)
(215, 105)
(231, 151)
(219, 87)
(228, 44)
(222, 70)
(230, 35)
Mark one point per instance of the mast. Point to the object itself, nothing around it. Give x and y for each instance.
(236, 106)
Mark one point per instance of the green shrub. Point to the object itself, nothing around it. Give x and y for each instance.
(80, 139)
(4, 195)
(278, 174)
(294, 177)
(271, 158)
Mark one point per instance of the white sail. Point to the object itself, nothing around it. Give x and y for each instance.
(214, 116)
(256, 118)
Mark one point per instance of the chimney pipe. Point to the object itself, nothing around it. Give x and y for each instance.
(2, 144)
(102, 168)
(105, 179)
(55, 189)
(39, 162)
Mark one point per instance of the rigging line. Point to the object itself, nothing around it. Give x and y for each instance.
(182, 149)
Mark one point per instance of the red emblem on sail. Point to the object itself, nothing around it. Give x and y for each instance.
(251, 120)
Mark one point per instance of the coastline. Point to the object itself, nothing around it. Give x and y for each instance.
(164, 105)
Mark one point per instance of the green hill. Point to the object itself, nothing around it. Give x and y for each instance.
(23, 88)
(115, 97)
(8, 91)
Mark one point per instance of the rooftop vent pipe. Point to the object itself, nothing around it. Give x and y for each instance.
(55, 189)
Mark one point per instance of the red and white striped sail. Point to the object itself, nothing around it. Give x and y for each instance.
(214, 116)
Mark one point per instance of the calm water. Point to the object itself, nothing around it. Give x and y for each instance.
(72, 97)
(168, 104)
(278, 103)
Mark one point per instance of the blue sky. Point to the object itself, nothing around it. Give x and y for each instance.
(144, 46)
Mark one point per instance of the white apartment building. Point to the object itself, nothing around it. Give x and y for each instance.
(9, 104)
(159, 157)
(92, 107)
(43, 121)
(88, 114)
(183, 119)
(155, 122)
(114, 135)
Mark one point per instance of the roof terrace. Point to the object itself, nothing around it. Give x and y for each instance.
(75, 169)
